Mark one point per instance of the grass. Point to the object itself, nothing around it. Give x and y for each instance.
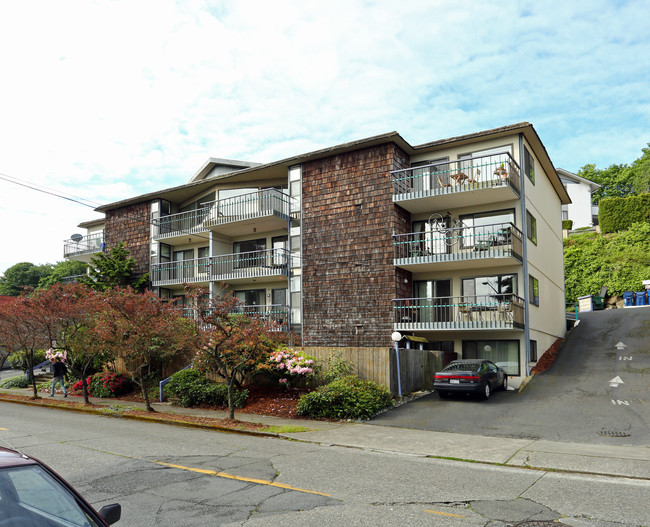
(286, 429)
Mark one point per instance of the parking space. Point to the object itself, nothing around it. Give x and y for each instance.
(596, 392)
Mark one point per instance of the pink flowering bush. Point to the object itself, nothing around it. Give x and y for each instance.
(287, 363)
(52, 355)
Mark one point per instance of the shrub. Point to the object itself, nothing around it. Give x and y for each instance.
(347, 398)
(18, 359)
(286, 363)
(191, 388)
(20, 381)
(336, 367)
(618, 214)
(567, 224)
(108, 384)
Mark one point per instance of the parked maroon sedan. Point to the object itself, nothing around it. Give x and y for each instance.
(478, 376)
(33, 495)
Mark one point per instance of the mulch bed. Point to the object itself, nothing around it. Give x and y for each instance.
(547, 360)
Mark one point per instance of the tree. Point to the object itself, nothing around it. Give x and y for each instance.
(17, 277)
(61, 270)
(233, 344)
(640, 172)
(22, 331)
(115, 268)
(614, 181)
(143, 332)
(66, 315)
(620, 181)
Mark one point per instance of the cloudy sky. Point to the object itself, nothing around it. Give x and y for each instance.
(107, 99)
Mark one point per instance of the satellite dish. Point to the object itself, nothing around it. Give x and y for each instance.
(76, 238)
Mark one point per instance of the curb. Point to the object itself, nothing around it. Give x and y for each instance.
(151, 419)
(524, 383)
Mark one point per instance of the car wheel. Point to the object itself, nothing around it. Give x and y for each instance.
(504, 384)
(443, 394)
(485, 392)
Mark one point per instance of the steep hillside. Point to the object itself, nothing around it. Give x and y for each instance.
(620, 261)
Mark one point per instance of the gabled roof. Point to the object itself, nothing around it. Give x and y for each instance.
(565, 174)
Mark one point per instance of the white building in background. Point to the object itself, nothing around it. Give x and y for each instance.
(580, 210)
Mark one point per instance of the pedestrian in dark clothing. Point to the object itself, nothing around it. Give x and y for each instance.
(59, 369)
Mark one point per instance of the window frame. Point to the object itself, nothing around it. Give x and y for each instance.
(533, 284)
(529, 165)
(531, 227)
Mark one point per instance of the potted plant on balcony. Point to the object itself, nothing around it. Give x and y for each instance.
(501, 171)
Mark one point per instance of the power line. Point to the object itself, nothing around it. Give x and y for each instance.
(45, 190)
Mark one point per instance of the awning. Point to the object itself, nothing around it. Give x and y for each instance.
(415, 339)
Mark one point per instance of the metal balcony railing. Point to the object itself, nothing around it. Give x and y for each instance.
(456, 176)
(503, 311)
(225, 267)
(439, 243)
(260, 204)
(276, 313)
(92, 243)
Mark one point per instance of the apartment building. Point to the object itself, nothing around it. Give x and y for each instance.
(456, 244)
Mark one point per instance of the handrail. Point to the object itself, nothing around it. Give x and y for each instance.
(438, 240)
(41, 365)
(460, 311)
(225, 210)
(265, 262)
(164, 382)
(443, 177)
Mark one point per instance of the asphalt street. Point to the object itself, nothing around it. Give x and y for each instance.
(169, 476)
(578, 399)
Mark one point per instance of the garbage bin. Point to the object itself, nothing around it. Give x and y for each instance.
(641, 298)
(628, 298)
(599, 302)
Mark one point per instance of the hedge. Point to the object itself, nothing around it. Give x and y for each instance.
(618, 214)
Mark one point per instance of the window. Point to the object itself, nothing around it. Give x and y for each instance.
(250, 253)
(504, 353)
(430, 176)
(204, 261)
(533, 290)
(529, 165)
(533, 351)
(486, 227)
(531, 227)
(501, 287)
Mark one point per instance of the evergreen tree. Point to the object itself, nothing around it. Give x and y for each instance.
(114, 268)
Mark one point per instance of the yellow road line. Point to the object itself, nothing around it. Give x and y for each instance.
(239, 478)
(440, 513)
(3, 428)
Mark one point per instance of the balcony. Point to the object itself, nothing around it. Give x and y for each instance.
(479, 312)
(450, 184)
(230, 216)
(441, 248)
(231, 268)
(278, 314)
(83, 248)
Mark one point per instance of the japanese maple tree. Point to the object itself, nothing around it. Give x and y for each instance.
(20, 330)
(234, 344)
(143, 331)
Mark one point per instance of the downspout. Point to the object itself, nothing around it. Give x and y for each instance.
(524, 230)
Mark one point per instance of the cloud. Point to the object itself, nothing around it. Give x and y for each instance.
(112, 99)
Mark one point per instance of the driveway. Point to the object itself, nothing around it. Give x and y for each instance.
(580, 398)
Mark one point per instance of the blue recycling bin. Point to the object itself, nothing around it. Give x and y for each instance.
(641, 298)
(628, 298)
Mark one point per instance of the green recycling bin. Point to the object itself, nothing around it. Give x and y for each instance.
(599, 302)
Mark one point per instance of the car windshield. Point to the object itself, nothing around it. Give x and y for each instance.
(29, 495)
(462, 366)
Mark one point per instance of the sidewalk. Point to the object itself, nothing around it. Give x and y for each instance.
(624, 461)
